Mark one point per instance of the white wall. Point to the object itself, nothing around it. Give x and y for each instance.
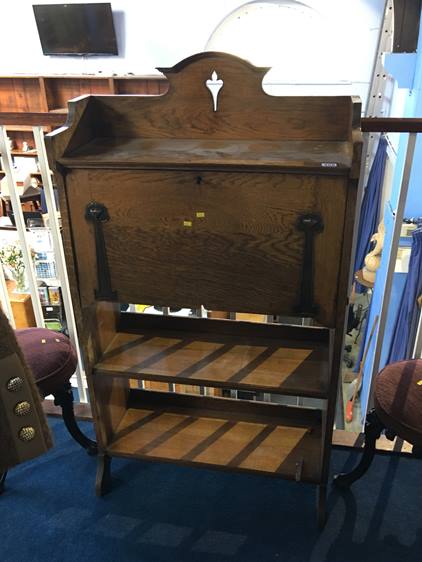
(315, 47)
(162, 32)
(150, 34)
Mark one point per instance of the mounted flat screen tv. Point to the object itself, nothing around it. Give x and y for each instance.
(76, 29)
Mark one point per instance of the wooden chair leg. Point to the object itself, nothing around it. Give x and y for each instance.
(103, 479)
(373, 429)
(64, 399)
(2, 481)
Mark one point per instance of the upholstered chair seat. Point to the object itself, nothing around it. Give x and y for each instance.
(398, 399)
(52, 360)
(50, 356)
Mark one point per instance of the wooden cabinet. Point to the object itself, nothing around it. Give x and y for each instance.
(22, 310)
(242, 202)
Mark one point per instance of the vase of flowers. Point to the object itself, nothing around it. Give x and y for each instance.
(11, 257)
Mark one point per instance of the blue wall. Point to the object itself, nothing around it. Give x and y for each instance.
(407, 69)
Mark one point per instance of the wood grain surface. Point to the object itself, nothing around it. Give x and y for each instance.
(221, 433)
(244, 112)
(321, 157)
(242, 253)
(261, 364)
(19, 94)
(244, 109)
(60, 91)
(138, 85)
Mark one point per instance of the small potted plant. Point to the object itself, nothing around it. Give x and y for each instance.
(11, 257)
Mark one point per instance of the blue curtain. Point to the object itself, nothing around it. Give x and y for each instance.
(407, 318)
(368, 225)
(370, 209)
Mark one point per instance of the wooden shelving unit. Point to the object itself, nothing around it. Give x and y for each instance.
(34, 93)
(31, 94)
(244, 202)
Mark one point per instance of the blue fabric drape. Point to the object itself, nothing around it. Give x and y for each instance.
(407, 318)
(370, 208)
(368, 225)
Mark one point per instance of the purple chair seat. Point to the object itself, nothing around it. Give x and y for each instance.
(50, 356)
(398, 399)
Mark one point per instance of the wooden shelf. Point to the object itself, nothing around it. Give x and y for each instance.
(221, 433)
(232, 354)
(86, 76)
(24, 128)
(27, 153)
(182, 153)
(38, 174)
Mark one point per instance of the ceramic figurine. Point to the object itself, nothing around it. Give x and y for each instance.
(373, 258)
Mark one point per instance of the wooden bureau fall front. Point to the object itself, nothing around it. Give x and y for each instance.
(213, 194)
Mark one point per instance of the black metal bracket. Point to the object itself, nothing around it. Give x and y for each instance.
(97, 213)
(310, 224)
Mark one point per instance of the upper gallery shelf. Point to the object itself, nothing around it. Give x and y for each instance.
(214, 126)
(326, 156)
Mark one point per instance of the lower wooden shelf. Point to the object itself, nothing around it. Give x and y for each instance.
(221, 433)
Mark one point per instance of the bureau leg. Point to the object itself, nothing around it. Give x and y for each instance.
(321, 506)
(103, 479)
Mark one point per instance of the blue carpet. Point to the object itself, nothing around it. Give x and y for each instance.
(162, 512)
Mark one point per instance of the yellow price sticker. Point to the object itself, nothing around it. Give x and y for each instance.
(187, 223)
(200, 215)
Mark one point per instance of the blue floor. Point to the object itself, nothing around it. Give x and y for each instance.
(159, 512)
